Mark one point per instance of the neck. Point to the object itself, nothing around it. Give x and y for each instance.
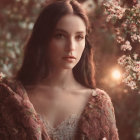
(63, 79)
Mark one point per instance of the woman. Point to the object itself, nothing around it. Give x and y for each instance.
(61, 101)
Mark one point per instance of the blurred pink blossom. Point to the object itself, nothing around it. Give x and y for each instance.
(126, 46)
(136, 67)
(126, 23)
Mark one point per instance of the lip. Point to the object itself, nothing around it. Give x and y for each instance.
(69, 57)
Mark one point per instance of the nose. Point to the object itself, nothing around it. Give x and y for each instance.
(70, 45)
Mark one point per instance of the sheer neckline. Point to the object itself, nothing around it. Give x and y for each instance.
(73, 115)
(93, 93)
(61, 124)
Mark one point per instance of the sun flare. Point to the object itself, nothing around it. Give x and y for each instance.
(116, 74)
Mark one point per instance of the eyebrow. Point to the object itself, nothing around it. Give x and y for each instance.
(61, 30)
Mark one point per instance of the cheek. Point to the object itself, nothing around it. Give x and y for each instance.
(56, 47)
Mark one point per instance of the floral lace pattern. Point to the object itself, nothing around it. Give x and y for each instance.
(66, 130)
(19, 120)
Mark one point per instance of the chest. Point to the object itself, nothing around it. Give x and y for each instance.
(55, 109)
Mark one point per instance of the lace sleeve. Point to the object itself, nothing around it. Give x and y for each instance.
(108, 122)
(18, 119)
(98, 120)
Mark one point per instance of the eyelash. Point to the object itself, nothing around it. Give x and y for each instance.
(59, 35)
(79, 37)
(62, 36)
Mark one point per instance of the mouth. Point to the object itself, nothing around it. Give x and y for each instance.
(69, 58)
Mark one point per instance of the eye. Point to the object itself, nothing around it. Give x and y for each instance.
(59, 36)
(80, 37)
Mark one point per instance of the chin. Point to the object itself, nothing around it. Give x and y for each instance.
(69, 66)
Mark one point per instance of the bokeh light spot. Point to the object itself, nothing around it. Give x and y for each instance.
(116, 74)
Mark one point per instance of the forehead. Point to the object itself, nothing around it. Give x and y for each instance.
(71, 24)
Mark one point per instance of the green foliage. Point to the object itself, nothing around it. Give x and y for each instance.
(17, 19)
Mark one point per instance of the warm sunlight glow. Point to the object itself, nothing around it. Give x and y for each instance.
(116, 74)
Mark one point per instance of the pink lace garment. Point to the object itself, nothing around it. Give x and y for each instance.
(66, 130)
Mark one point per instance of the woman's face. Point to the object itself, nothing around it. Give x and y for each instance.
(68, 42)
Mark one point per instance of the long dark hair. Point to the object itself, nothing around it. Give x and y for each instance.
(35, 63)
